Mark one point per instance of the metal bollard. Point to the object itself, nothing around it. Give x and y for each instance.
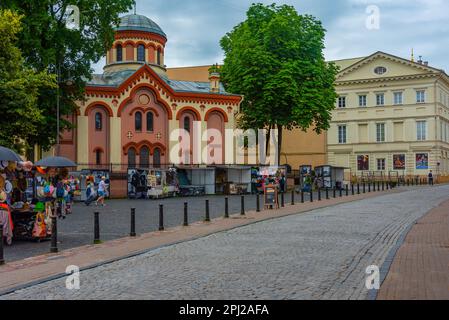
(335, 192)
(133, 223)
(358, 188)
(186, 214)
(282, 200)
(161, 217)
(293, 197)
(207, 219)
(97, 228)
(242, 205)
(2, 257)
(352, 189)
(227, 206)
(340, 192)
(327, 193)
(257, 203)
(364, 188)
(369, 187)
(347, 190)
(319, 194)
(54, 235)
(302, 196)
(378, 185)
(311, 195)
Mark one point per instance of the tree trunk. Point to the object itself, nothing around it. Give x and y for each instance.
(279, 146)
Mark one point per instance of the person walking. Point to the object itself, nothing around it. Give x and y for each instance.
(91, 195)
(101, 192)
(431, 178)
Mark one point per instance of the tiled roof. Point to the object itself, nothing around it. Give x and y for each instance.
(136, 22)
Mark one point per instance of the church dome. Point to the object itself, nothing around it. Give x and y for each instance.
(136, 22)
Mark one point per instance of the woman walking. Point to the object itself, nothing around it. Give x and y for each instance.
(101, 192)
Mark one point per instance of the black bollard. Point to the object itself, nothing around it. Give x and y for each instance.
(227, 206)
(388, 186)
(358, 188)
(352, 189)
(207, 219)
(2, 257)
(54, 235)
(282, 200)
(311, 195)
(340, 191)
(186, 215)
(302, 196)
(242, 205)
(369, 187)
(319, 194)
(293, 197)
(335, 192)
(97, 228)
(364, 188)
(257, 203)
(347, 190)
(133, 223)
(161, 217)
(327, 193)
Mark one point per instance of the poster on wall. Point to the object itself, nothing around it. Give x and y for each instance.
(422, 161)
(399, 162)
(363, 163)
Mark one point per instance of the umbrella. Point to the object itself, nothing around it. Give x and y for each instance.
(8, 155)
(55, 162)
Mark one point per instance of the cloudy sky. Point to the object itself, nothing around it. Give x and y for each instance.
(195, 27)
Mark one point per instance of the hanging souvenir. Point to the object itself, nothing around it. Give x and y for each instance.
(40, 229)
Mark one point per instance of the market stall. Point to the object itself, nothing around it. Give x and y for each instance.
(152, 183)
(196, 181)
(331, 177)
(273, 175)
(305, 178)
(233, 179)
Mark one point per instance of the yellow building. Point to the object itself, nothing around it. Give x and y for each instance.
(391, 117)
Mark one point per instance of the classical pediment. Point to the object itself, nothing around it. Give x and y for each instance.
(381, 66)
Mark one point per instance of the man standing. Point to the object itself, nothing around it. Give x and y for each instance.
(431, 178)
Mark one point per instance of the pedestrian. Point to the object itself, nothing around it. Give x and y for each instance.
(91, 195)
(102, 186)
(431, 178)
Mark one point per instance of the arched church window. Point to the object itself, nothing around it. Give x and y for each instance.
(98, 121)
(144, 157)
(119, 53)
(138, 121)
(150, 122)
(98, 157)
(159, 56)
(157, 158)
(132, 158)
(141, 53)
(187, 124)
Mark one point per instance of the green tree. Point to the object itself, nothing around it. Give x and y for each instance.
(20, 116)
(48, 45)
(275, 59)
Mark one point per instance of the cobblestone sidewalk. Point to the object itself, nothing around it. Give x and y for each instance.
(319, 255)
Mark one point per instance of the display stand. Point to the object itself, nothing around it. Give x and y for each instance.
(271, 198)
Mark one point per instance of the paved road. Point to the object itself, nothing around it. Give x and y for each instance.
(77, 229)
(322, 254)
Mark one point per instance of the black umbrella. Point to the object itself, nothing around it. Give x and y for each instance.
(9, 155)
(55, 162)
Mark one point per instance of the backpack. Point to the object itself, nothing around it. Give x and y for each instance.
(60, 191)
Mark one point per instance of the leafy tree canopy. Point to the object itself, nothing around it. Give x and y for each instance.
(275, 59)
(20, 116)
(47, 44)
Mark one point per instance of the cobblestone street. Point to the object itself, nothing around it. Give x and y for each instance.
(321, 254)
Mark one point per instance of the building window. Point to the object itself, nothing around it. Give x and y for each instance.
(119, 53)
(132, 158)
(141, 53)
(144, 157)
(187, 124)
(158, 57)
(380, 132)
(398, 98)
(381, 164)
(380, 99)
(157, 158)
(421, 130)
(150, 122)
(342, 102)
(380, 70)
(138, 121)
(341, 134)
(362, 101)
(420, 96)
(98, 157)
(98, 121)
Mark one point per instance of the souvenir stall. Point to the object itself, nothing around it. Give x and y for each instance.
(331, 177)
(196, 181)
(232, 180)
(269, 175)
(152, 183)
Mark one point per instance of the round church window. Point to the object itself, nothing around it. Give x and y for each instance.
(144, 99)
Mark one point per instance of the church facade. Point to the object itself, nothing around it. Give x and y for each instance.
(131, 109)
